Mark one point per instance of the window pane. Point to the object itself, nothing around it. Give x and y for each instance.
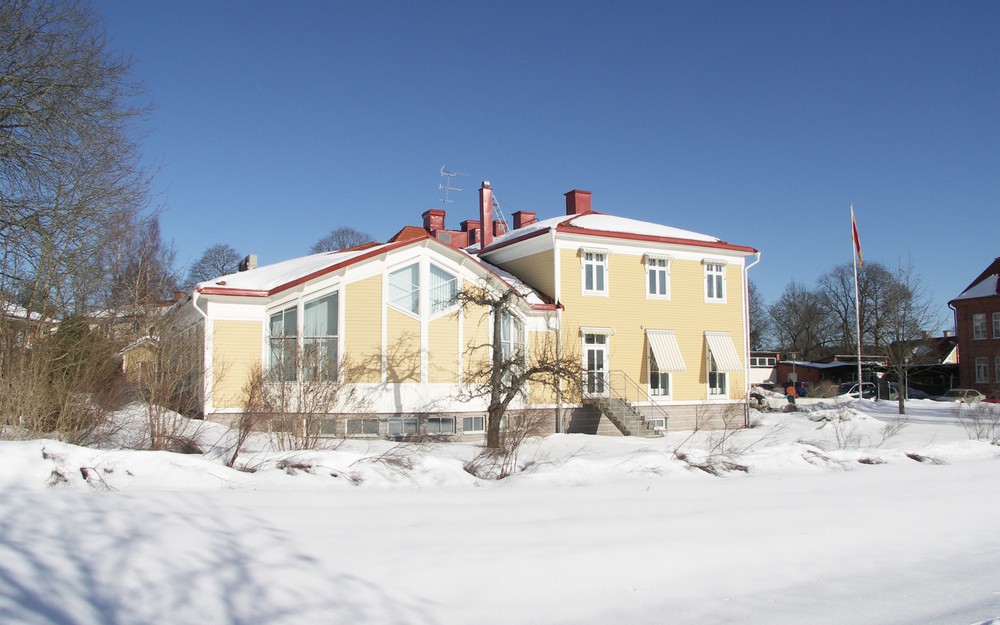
(320, 317)
(404, 288)
(600, 277)
(444, 287)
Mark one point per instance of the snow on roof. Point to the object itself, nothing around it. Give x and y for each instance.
(270, 277)
(599, 222)
(12, 310)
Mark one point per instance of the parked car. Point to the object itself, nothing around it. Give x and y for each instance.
(967, 395)
(993, 398)
(911, 393)
(850, 389)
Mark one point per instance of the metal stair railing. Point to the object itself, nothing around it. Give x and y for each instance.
(618, 397)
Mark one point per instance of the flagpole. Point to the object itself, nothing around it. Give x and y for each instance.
(855, 253)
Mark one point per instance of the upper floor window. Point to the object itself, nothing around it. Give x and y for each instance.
(444, 288)
(283, 344)
(715, 281)
(979, 326)
(404, 288)
(595, 272)
(657, 277)
(996, 325)
(319, 339)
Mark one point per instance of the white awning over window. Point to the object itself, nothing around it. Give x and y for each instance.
(724, 351)
(666, 351)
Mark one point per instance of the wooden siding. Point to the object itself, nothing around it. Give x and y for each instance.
(476, 331)
(442, 348)
(628, 312)
(236, 353)
(541, 344)
(536, 270)
(363, 327)
(402, 357)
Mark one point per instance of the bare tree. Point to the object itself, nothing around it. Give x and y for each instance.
(339, 239)
(801, 323)
(70, 181)
(906, 314)
(509, 369)
(760, 321)
(878, 295)
(218, 260)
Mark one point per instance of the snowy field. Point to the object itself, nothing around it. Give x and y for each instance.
(835, 514)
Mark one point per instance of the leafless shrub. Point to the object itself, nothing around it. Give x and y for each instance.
(398, 459)
(924, 459)
(871, 460)
(498, 463)
(300, 412)
(892, 428)
(981, 421)
(715, 465)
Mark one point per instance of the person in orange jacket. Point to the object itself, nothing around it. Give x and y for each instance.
(790, 393)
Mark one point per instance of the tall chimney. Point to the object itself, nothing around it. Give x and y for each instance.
(486, 213)
(577, 202)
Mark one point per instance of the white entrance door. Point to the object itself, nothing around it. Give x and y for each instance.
(595, 364)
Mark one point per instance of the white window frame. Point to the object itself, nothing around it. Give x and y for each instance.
(658, 423)
(978, 326)
(717, 391)
(348, 431)
(473, 429)
(652, 366)
(284, 340)
(439, 420)
(982, 370)
(439, 307)
(657, 266)
(413, 423)
(597, 261)
(715, 275)
(415, 288)
(996, 325)
(328, 370)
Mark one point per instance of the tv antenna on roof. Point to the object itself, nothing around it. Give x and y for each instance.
(446, 186)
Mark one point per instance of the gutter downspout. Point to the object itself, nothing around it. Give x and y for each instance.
(206, 391)
(746, 339)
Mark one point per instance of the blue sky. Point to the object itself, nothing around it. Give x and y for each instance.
(757, 122)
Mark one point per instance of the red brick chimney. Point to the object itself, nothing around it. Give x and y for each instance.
(486, 212)
(472, 227)
(433, 219)
(523, 218)
(577, 202)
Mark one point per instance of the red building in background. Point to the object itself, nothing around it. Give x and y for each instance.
(977, 326)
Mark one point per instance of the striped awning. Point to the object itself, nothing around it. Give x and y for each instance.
(666, 351)
(723, 351)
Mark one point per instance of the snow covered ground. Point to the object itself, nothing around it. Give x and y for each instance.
(826, 515)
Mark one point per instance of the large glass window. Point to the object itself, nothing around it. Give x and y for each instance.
(444, 288)
(362, 427)
(478, 424)
(595, 272)
(440, 425)
(283, 343)
(319, 339)
(996, 325)
(657, 277)
(715, 282)
(979, 326)
(401, 426)
(511, 330)
(404, 288)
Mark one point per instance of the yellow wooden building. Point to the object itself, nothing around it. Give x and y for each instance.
(656, 316)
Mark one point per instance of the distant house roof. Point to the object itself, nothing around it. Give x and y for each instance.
(987, 284)
(407, 233)
(599, 224)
